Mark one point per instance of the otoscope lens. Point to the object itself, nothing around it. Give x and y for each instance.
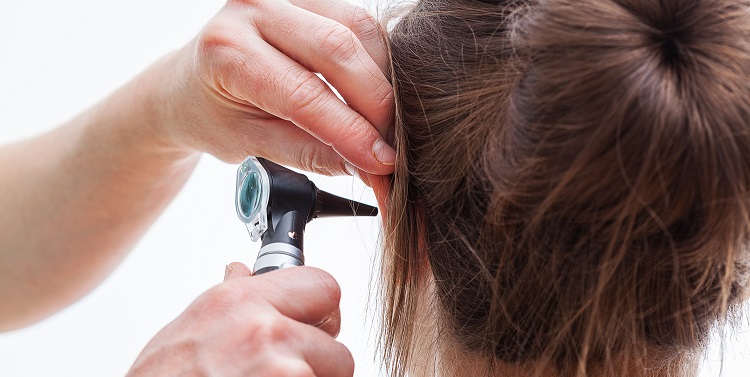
(250, 195)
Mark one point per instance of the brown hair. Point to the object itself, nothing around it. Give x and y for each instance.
(576, 173)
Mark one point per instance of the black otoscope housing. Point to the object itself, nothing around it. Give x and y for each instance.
(276, 204)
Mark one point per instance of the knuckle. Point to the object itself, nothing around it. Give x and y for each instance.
(313, 156)
(354, 130)
(328, 285)
(339, 43)
(384, 91)
(307, 156)
(269, 330)
(278, 330)
(306, 92)
(216, 36)
(365, 26)
(221, 58)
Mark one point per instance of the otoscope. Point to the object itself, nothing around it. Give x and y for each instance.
(276, 204)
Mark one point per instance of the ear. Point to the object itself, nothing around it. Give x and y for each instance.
(381, 185)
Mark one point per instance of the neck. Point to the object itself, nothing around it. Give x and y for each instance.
(435, 355)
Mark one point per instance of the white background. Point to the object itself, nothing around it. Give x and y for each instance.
(59, 57)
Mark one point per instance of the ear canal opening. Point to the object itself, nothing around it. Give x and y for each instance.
(329, 205)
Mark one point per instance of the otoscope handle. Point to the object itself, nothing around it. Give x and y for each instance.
(282, 243)
(277, 255)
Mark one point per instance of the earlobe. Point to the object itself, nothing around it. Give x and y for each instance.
(381, 185)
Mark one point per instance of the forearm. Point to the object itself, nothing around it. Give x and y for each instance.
(76, 199)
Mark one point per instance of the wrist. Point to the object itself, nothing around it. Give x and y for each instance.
(160, 107)
(174, 101)
(134, 122)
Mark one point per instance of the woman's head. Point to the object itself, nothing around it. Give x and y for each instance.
(573, 179)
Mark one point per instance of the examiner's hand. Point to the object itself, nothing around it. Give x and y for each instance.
(246, 86)
(281, 323)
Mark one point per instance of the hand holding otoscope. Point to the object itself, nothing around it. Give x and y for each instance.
(276, 203)
(277, 324)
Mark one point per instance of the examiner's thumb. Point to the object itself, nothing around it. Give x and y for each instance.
(236, 270)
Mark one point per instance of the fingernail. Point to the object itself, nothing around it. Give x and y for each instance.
(383, 152)
(350, 169)
(227, 271)
(390, 136)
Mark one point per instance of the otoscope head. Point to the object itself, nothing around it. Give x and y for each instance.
(276, 203)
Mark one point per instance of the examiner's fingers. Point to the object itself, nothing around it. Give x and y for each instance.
(289, 91)
(323, 353)
(305, 294)
(324, 45)
(357, 19)
(328, 43)
(332, 324)
(236, 270)
(287, 144)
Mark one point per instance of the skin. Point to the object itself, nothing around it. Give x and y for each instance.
(281, 323)
(107, 174)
